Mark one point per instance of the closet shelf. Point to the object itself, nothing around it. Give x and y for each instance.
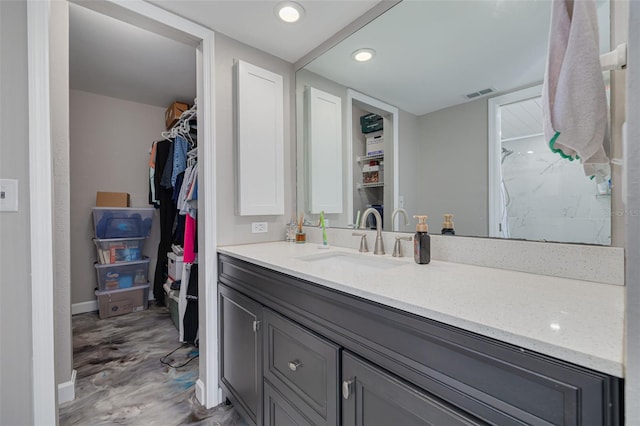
(370, 157)
(370, 185)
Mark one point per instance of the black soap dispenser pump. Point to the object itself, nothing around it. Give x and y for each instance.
(422, 242)
(447, 225)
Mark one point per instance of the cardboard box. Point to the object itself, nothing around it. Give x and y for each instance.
(173, 113)
(375, 145)
(174, 266)
(120, 302)
(113, 199)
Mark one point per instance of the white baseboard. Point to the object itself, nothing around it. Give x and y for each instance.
(67, 390)
(81, 308)
(200, 393)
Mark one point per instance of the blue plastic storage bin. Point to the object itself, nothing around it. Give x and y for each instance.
(123, 222)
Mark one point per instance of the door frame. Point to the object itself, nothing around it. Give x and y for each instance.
(495, 155)
(353, 95)
(153, 18)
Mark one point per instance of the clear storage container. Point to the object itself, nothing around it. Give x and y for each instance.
(122, 275)
(122, 222)
(116, 250)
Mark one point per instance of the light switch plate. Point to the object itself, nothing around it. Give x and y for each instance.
(8, 195)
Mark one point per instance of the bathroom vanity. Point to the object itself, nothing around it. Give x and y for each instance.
(324, 337)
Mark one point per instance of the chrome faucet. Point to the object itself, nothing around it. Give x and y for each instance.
(393, 217)
(379, 246)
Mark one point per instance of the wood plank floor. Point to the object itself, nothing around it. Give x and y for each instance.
(121, 381)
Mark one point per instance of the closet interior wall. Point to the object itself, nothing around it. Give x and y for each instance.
(109, 151)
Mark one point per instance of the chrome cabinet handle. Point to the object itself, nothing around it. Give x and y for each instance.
(256, 326)
(294, 365)
(347, 388)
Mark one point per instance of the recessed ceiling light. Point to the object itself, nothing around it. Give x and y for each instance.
(289, 11)
(363, 55)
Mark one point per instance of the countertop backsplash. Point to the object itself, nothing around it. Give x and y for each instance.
(576, 261)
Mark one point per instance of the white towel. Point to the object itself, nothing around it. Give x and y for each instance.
(575, 115)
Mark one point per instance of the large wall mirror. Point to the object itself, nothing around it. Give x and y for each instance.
(450, 83)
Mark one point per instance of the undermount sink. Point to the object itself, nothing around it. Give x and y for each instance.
(349, 260)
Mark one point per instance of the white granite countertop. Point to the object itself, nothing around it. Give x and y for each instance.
(576, 321)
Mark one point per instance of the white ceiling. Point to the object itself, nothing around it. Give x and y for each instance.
(521, 119)
(116, 59)
(431, 53)
(253, 22)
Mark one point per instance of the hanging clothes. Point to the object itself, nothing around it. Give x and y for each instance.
(152, 171)
(167, 212)
(180, 148)
(190, 320)
(167, 170)
(190, 230)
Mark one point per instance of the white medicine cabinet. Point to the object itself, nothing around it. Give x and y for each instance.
(259, 103)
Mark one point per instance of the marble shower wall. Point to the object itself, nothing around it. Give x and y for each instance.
(550, 198)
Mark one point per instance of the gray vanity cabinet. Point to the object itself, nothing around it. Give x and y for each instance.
(240, 334)
(373, 397)
(318, 342)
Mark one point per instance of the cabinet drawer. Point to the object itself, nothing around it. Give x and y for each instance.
(302, 365)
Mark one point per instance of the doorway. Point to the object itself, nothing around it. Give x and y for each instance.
(535, 194)
(41, 142)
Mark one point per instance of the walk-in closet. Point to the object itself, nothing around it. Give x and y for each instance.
(133, 166)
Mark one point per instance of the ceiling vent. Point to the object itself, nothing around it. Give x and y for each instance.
(479, 93)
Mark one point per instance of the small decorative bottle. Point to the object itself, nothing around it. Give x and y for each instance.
(422, 242)
(447, 225)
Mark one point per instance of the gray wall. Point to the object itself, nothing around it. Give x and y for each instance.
(110, 142)
(234, 229)
(15, 283)
(409, 167)
(453, 167)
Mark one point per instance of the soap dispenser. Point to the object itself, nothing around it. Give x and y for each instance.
(447, 225)
(422, 242)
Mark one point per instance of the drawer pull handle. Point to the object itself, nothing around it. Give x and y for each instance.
(294, 365)
(256, 326)
(347, 388)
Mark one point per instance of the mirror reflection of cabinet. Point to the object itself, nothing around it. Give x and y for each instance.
(324, 151)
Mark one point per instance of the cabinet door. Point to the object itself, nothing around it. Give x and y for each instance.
(323, 131)
(241, 348)
(373, 397)
(259, 135)
(278, 411)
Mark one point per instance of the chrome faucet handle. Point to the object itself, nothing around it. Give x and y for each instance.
(397, 247)
(364, 248)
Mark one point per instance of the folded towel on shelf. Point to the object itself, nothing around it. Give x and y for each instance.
(575, 113)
